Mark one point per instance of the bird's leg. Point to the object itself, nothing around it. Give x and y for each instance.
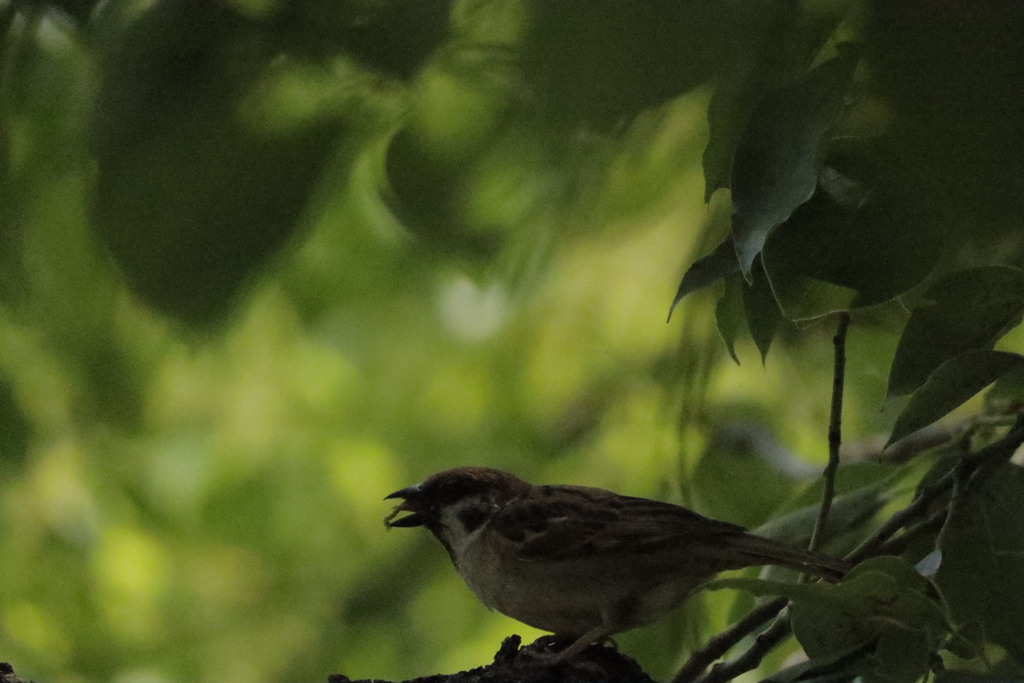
(594, 635)
(609, 616)
(537, 648)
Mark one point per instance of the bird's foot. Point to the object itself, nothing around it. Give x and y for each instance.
(554, 649)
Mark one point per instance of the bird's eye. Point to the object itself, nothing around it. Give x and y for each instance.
(471, 518)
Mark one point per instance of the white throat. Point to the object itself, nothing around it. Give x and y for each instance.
(463, 522)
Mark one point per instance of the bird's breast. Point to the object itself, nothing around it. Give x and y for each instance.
(568, 597)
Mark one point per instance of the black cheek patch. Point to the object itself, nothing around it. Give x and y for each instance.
(471, 518)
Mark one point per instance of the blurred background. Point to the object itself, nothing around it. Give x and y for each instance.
(262, 263)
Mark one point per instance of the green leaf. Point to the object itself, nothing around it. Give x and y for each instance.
(849, 510)
(983, 566)
(825, 631)
(458, 122)
(730, 318)
(872, 588)
(1005, 673)
(965, 310)
(903, 655)
(393, 37)
(776, 164)
(897, 655)
(901, 571)
(735, 97)
(806, 298)
(846, 248)
(603, 61)
(732, 449)
(818, 594)
(15, 428)
(850, 478)
(200, 179)
(887, 604)
(789, 39)
(952, 383)
(1006, 393)
(838, 666)
(763, 314)
(721, 262)
(883, 601)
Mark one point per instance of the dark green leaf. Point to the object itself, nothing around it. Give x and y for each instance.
(947, 75)
(1010, 674)
(777, 159)
(393, 37)
(730, 317)
(963, 311)
(983, 566)
(1006, 395)
(849, 511)
(459, 126)
(901, 571)
(825, 631)
(877, 595)
(955, 381)
(806, 298)
(763, 314)
(79, 10)
(428, 193)
(196, 189)
(15, 429)
(902, 655)
(838, 667)
(851, 477)
(789, 41)
(603, 60)
(871, 589)
(843, 249)
(888, 607)
(735, 96)
(821, 595)
(720, 263)
(747, 447)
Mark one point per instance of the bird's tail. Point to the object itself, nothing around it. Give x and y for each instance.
(758, 550)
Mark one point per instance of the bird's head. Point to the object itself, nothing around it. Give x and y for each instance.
(456, 503)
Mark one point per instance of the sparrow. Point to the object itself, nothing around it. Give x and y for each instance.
(582, 563)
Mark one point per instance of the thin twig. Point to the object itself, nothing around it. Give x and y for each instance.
(897, 545)
(749, 660)
(1004, 448)
(774, 634)
(723, 642)
(835, 431)
(960, 477)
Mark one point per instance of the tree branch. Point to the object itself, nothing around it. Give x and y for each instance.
(723, 642)
(763, 644)
(881, 540)
(1003, 448)
(835, 431)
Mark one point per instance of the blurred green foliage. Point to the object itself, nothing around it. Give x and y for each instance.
(265, 261)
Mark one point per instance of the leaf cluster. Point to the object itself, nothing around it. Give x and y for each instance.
(860, 156)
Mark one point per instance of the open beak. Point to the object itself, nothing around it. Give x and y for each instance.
(408, 504)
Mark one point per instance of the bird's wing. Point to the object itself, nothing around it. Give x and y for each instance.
(566, 522)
